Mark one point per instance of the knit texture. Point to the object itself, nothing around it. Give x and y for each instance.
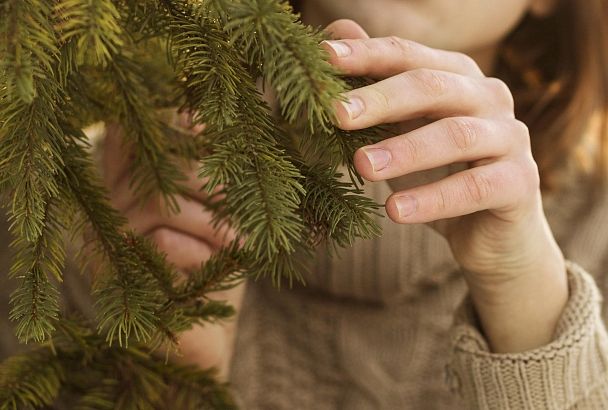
(371, 330)
(556, 376)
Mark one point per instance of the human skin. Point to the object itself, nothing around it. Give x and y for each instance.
(492, 215)
(187, 239)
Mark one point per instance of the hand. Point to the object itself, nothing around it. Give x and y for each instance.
(187, 238)
(490, 212)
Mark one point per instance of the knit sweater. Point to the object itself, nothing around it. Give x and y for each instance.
(387, 325)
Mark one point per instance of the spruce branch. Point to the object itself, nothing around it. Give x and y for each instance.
(28, 47)
(137, 297)
(288, 55)
(335, 210)
(30, 381)
(224, 270)
(196, 389)
(81, 371)
(126, 299)
(153, 169)
(244, 158)
(35, 303)
(94, 27)
(72, 62)
(30, 149)
(341, 145)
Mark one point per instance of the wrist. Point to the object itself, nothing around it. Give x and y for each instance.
(504, 288)
(520, 307)
(519, 250)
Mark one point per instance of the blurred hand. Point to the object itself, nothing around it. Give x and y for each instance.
(491, 212)
(187, 238)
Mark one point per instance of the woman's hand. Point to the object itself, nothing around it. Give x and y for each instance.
(187, 238)
(491, 211)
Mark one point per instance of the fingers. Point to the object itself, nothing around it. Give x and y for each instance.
(423, 93)
(123, 198)
(193, 219)
(447, 141)
(184, 251)
(498, 186)
(385, 57)
(116, 156)
(345, 28)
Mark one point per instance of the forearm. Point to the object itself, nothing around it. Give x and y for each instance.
(522, 312)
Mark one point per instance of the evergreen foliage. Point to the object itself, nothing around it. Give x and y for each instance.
(65, 64)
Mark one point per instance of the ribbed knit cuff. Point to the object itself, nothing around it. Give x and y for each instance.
(555, 376)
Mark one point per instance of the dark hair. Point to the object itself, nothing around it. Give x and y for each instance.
(557, 68)
(296, 4)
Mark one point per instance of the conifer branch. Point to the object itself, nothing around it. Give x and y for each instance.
(31, 149)
(224, 270)
(84, 372)
(289, 57)
(153, 169)
(70, 62)
(196, 389)
(30, 381)
(94, 27)
(335, 210)
(35, 304)
(28, 47)
(244, 156)
(126, 299)
(340, 145)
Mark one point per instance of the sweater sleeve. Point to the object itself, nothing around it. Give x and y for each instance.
(568, 373)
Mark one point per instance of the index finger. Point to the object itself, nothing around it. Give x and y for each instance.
(388, 56)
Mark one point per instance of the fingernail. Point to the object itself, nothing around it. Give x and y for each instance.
(340, 48)
(354, 107)
(406, 206)
(379, 158)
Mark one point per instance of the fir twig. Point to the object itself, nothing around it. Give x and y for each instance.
(35, 303)
(94, 27)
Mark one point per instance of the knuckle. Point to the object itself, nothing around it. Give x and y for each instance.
(431, 82)
(468, 61)
(531, 174)
(403, 46)
(524, 177)
(522, 132)
(477, 187)
(381, 100)
(463, 133)
(366, 47)
(500, 91)
(411, 149)
(441, 201)
(163, 238)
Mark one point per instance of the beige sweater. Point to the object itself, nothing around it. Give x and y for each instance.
(388, 326)
(375, 329)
